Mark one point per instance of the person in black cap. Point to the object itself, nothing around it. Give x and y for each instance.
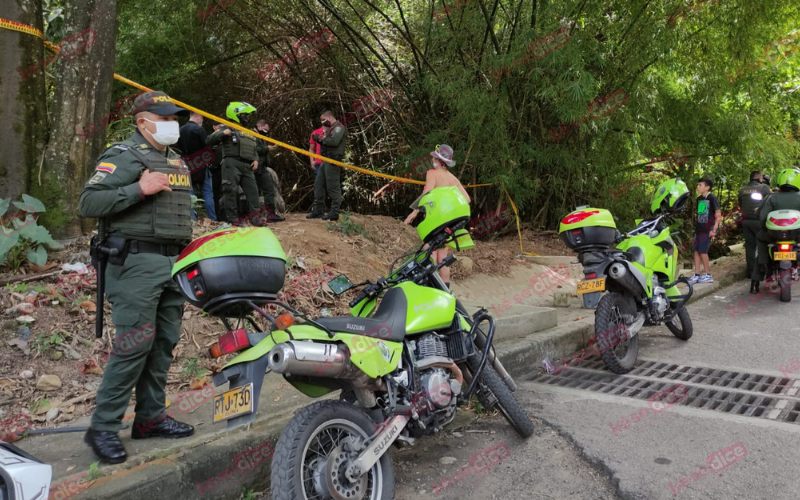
(141, 188)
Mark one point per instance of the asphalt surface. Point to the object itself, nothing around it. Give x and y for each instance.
(584, 447)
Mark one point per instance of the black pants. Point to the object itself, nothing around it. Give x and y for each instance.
(216, 185)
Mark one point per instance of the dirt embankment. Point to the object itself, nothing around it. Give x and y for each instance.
(51, 367)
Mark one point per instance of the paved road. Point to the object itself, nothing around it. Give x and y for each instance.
(738, 363)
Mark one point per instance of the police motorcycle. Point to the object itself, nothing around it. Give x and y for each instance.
(640, 274)
(22, 476)
(405, 360)
(784, 228)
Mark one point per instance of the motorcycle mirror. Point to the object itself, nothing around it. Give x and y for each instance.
(340, 284)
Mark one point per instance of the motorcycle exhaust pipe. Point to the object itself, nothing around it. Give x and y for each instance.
(312, 359)
(619, 273)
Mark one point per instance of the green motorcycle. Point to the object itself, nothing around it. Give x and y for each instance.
(784, 227)
(404, 362)
(640, 274)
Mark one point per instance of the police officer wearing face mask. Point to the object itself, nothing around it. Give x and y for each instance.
(333, 143)
(750, 198)
(239, 163)
(141, 187)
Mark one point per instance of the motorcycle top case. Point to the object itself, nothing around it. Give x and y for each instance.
(221, 269)
(784, 224)
(588, 228)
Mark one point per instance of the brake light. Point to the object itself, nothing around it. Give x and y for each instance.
(578, 216)
(232, 341)
(591, 276)
(191, 247)
(785, 247)
(193, 274)
(783, 222)
(284, 321)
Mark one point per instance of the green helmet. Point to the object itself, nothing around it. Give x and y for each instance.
(789, 177)
(670, 196)
(239, 109)
(439, 209)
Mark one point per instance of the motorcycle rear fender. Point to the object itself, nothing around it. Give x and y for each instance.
(365, 352)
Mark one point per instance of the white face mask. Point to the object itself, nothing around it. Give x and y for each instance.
(167, 133)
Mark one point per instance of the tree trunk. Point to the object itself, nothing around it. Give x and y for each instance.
(23, 112)
(83, 80)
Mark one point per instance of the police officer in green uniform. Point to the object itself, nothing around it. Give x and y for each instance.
(751, 197)
(786, 198)
(333, 143)
(216, 176)
(239, 162)
(141, 188)
(263, 177)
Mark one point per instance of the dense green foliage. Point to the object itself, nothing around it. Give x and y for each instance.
(21, 238)
(680, 76)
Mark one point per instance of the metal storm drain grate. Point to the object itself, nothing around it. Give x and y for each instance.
(739, 393)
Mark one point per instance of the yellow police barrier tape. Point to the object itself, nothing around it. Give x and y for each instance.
(24, 28)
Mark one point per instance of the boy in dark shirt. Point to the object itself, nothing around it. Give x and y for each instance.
(709, 217)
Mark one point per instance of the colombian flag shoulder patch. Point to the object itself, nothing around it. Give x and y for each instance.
(106, 167)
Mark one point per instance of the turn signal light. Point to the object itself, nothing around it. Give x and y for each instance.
(232, 341)
(284, 321)
(591, 276)
(785, 247)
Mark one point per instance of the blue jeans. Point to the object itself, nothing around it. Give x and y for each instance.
(208, 197)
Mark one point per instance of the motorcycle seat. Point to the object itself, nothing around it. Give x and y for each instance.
(388, 323)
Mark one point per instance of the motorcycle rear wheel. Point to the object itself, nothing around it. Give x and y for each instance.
(507, 404)
(298, 467)
(608, 316)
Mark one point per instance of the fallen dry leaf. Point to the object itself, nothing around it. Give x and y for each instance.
(41, 269)
(71, 409)
(579, 318)
(88, 306)
(71, 467)
(198, 383)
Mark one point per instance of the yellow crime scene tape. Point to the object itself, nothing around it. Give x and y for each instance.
(24, 28)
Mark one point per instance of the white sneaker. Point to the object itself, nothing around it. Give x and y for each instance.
(706, 278)
(694, 279)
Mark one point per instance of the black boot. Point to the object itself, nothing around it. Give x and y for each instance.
(330, 216)
(106, 445)
(754, 286)
(315, 215)
(168, 428)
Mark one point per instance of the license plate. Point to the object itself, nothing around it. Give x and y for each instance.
(233, 403)
(590, 286)
(785, 255)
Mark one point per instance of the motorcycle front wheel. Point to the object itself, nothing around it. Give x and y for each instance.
(301, 469)
(506, 403)
(608, 318)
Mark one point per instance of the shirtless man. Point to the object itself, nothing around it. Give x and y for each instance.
(438, 177)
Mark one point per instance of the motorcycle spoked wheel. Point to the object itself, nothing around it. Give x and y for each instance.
(506, 403)
(608, 316)
(301, 469)
(681, 324)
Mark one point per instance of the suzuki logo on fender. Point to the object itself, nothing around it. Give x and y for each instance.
(427, 306)
(360, 328)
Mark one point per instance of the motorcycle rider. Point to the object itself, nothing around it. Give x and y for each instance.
(239, 162)
(751, 197)
(787, 198)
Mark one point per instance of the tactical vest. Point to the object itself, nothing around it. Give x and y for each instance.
(338, 150)
(165, 215)
(785, 200)
(750, 198)
(243, 149)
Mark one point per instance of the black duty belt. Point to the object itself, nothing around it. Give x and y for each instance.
(137, 246)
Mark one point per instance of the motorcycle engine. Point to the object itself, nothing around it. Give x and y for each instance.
(659, 304)
(437, 389)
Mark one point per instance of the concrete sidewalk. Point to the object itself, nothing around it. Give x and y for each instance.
(204, 465)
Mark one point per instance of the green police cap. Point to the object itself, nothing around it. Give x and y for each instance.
(157, 102)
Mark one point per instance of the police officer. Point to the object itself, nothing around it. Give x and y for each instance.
(750, 198)
(239, 162)
(786, 198)
(215, 168)
(141, 187)
(263, 177)
(333, 143)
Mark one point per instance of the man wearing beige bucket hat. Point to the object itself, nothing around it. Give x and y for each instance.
(438, 177)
